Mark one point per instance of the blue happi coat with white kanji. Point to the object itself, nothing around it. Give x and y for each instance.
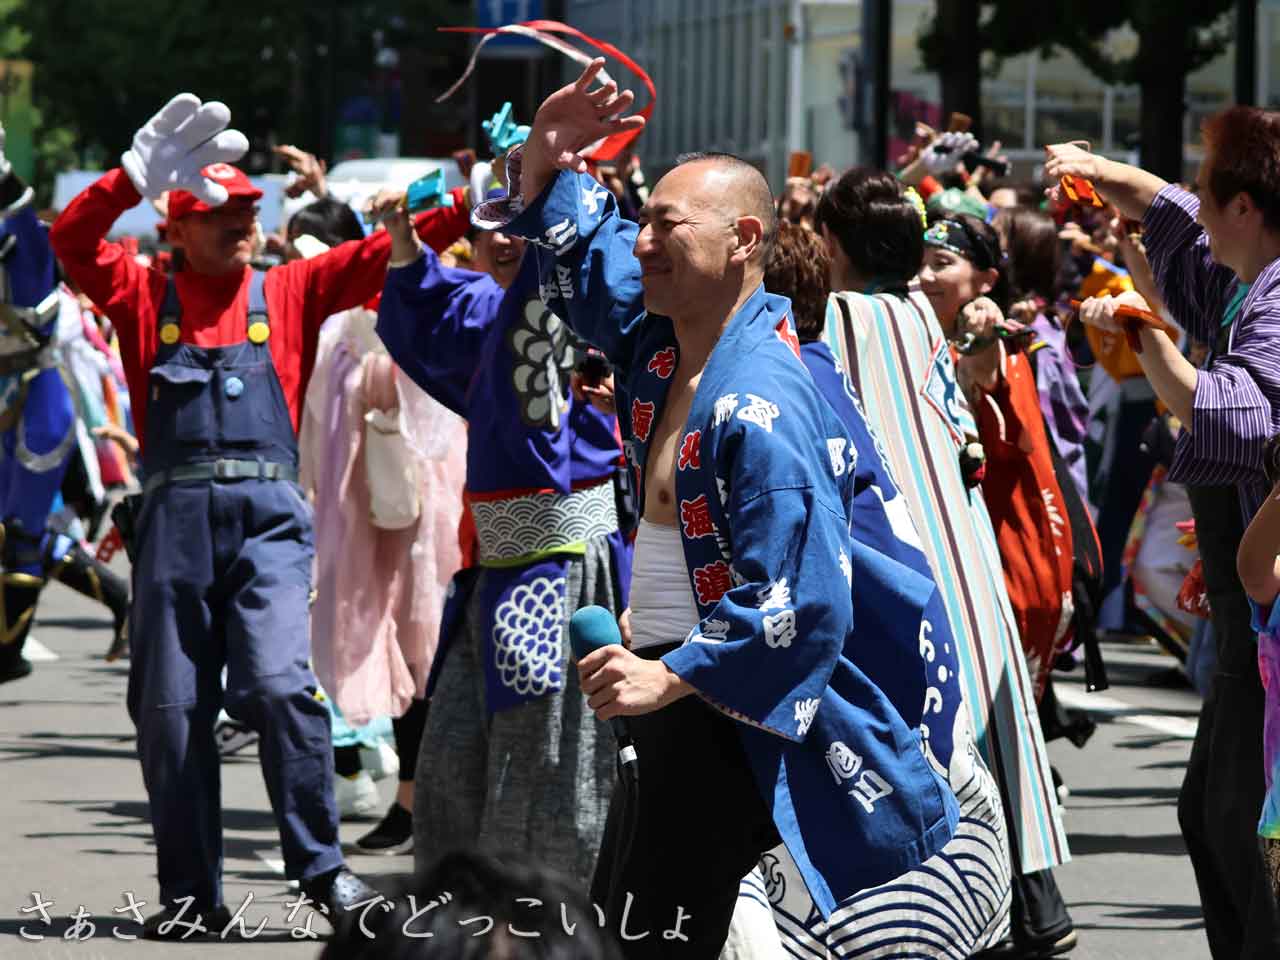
(829, 704)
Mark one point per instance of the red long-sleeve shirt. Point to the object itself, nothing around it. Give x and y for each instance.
(300, 295)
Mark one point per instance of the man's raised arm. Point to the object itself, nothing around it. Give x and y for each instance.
(588, 273)
(433, 319)
(353, 272)
(31, 265)
(1190, 283)
(169, 152)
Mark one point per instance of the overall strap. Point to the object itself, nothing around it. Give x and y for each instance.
(258, 298)
(170, 307)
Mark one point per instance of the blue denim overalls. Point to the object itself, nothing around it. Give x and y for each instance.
(223, 574)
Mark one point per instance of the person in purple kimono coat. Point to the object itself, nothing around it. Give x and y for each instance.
(762, 705)
(510, 759)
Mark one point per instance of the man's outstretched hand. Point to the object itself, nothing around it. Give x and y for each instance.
(568, 122)
(186, 136)
(307, 167)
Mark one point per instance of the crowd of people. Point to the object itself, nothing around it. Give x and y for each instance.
(850, 473)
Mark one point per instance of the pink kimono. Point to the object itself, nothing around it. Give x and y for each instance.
(379, 592)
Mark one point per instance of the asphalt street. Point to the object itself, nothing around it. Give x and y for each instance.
(74, 832)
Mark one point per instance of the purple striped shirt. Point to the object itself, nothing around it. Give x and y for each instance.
(1237, 396)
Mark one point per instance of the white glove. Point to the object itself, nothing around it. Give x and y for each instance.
(177, 143)
(946, 150)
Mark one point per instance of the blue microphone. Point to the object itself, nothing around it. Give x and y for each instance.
(591, 628)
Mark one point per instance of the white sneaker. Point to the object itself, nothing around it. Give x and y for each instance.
(381, 762)
(357, 797)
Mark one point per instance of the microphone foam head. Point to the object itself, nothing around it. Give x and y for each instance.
(592, 628)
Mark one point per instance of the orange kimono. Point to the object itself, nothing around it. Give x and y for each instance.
(1027, 512)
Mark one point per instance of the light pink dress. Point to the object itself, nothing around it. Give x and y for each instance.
(379, 593)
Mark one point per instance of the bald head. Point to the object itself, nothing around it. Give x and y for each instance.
(740, 190)
(704, 239)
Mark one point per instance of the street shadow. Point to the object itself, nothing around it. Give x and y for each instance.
(1154, 844)
(1164, 765)
(74, 623)
(139, 811)
(54, 735)
(1169, 916)
(1138, 710)
(113, 702)
(1120, 793)
(1131, 805)
(1147, 742)
(232, 876)
(21, 751)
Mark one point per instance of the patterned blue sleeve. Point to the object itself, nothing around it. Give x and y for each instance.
(30, 264)
(434, 320)
(589, 276)
(766, 652)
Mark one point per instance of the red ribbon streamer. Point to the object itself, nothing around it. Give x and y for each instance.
(614, 144)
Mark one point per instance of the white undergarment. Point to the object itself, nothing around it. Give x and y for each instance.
(662, 607)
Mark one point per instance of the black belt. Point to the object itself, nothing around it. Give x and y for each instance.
(222, 470)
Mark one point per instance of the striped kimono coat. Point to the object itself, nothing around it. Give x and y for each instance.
(901, 367)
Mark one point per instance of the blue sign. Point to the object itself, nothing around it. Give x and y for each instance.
(498, 13)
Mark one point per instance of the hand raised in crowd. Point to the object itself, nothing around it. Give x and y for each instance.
(310, 171)
(822, 176)
(1074, 234)
(1070, 160)
(568, 122)
(1024, 311)
(1128, 238)
(388, 209)
(924, 135)
(980, 324)
(985, 174)
(1100, 312)
(609, 178)
(173, 148)
(946, 151)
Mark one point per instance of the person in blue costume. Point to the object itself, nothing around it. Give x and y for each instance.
(770, 706)
(957, 902)
(510, 758)
(37, 421)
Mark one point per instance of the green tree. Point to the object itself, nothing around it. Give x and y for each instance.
(1175, 38)
(952, 48)
(103, 67)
